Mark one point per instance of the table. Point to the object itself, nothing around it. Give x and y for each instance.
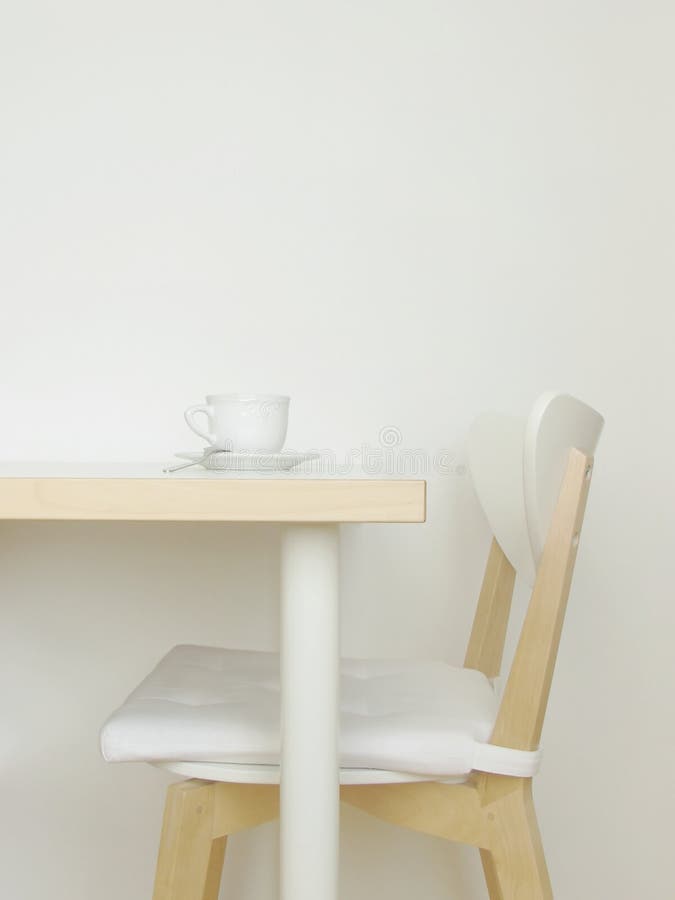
(310, 507)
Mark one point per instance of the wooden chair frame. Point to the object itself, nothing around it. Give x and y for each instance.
(494, 813)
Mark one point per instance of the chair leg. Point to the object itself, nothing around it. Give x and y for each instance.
(197, 819)
(490, 873)
(514, 863)
(190, 856)
(215, 869)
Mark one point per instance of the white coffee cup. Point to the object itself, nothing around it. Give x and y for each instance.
(242, 421)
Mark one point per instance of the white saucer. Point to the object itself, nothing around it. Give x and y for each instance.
(225, 460)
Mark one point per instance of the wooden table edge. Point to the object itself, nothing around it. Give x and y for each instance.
(311, 500)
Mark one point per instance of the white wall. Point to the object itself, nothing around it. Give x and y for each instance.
(400, 214)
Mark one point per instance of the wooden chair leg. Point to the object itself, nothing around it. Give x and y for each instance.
(490, 873)
(492, 812)
(215, 868)
(513, 863)
(190, 857)
(197, 819)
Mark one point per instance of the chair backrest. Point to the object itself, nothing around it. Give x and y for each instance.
(532, 478)
(518, 465)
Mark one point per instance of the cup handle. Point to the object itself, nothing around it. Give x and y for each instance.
(207, 411)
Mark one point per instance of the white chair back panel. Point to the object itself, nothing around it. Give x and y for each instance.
(495, 450)
(518, 466)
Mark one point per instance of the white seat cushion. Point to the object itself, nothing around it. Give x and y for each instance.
(205, 704)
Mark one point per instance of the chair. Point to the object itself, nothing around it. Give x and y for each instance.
(424, 745)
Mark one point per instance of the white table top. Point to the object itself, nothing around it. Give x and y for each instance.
(317, 469)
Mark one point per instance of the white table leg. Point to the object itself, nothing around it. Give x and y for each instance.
(310, 789)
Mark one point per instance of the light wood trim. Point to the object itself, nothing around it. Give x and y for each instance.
(242, 806)
(513, 859)
(198, 817)
(450, 811)
(214, 871)
(486, 644)
(211, 500)
(491, 812)
(494, 813)
(523, 706)
(189, 865)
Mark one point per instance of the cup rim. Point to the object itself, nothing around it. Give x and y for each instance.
(279, 398)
